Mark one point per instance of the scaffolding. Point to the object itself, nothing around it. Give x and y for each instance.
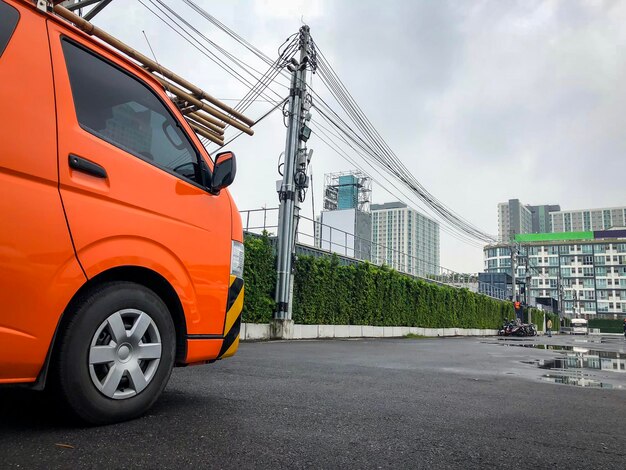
(347, 190)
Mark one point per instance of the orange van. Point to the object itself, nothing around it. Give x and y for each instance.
(121, 251)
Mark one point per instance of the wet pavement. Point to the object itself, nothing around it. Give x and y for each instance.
(590, 361)
(372, 403)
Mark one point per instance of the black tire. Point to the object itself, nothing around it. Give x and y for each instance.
(73, 374)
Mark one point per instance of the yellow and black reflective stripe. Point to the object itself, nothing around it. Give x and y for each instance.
(232, 324)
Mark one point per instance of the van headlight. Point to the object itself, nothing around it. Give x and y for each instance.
(237, 259)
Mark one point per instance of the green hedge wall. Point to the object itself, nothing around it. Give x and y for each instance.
(327, 293)
(607, 325)
(259, 274)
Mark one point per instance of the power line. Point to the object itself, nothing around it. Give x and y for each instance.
(182, 27)
(230, 32)
(173, 20)
(363, 150)
(373, 147)
(380, 151)
(325, 132)
(256, 122)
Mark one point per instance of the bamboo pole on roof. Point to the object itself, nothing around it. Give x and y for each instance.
(186, 109)
(200, 94)
(207, 129)
(205, 107)
(208, 117)
(206, 133)
(196, 117)
(194, 109)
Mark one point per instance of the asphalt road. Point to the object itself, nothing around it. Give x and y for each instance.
(403, 403)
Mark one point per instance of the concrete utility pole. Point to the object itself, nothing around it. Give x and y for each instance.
(528, 279)
(294, 180)
(513, 269)
(561, 310)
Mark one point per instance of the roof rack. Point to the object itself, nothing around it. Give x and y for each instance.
(206, 115)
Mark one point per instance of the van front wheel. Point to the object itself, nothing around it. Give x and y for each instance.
(116, 354)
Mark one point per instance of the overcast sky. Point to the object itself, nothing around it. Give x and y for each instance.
(482, 100)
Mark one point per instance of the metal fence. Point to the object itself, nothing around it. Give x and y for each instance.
(317, 239)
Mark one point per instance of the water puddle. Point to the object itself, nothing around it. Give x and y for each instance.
(582, 367)
(579, 366)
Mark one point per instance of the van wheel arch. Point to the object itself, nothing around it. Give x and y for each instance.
(139, 275)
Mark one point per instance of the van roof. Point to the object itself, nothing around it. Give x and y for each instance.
(206, 115)
(87, 37)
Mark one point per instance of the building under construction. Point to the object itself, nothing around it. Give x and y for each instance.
(346, 223)
(347, 190)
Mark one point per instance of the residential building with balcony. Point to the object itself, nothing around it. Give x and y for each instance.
(584, 271)
(588, 219)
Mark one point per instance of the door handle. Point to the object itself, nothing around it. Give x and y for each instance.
(86, 166)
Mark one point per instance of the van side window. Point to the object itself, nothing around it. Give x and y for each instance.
(9, 17)
(118, 108)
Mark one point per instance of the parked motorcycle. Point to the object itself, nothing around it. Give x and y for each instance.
(512, 328)
(518, 330)
(529, 330)
(508, 328)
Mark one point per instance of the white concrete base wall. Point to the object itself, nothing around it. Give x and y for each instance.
(326, 331)
(341, 331)
(355, 331)
(261, 331)
(255, 331)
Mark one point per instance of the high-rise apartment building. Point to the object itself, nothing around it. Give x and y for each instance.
(404, 239)
(588, 219)
(584, 271)
(541, 217)
(515, 218)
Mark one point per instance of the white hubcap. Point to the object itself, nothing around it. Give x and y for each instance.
(124, 354)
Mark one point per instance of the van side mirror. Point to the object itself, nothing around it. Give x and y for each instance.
(224, 171)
